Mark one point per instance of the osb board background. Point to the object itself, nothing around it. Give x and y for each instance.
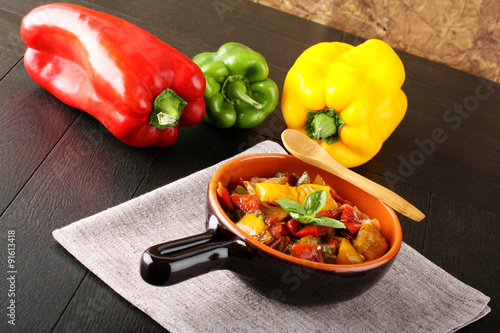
(464, 34)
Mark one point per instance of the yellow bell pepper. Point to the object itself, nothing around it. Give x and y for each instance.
(347, 98)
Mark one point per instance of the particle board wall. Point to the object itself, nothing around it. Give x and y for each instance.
(463, 34)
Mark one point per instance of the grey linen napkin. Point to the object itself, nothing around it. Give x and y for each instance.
(414, 296)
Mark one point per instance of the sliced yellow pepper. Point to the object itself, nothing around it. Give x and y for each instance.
(269, 192)
(319, 180)
(305, 189)
(347, 98)
(254, 226)
(347, 254)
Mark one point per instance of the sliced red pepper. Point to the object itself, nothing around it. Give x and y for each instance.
(270, 221)
(333, 215)
(224, 199)
(338, 198)
(240, 182)
(312, 230)
(306, 251)
(292, 226)
(336, 243)
(276, 231)
(246, 202)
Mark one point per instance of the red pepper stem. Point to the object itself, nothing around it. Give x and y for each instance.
(167, 109)
(236, 90)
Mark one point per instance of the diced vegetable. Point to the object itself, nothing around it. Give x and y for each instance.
(305, 189)
(370, 243)
(273, 214)
(246, 202)
(224, 199)
(304, 179)
(269, 192)
(255, 227)
(306, 251)
(318, 180)
(347, 254)
(303, 218)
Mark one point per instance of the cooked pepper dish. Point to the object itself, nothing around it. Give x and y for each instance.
(303, 217)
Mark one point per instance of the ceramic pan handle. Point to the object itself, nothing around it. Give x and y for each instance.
(176, 261)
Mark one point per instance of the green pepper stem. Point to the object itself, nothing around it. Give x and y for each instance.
(236, 89)
(167, 109)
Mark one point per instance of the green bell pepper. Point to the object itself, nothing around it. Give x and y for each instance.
(238, 92)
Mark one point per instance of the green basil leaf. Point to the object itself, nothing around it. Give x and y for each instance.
(306, 219)
(326, 221)
(291, 206)
(314, 202)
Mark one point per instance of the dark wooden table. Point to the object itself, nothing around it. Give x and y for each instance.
(58, 164)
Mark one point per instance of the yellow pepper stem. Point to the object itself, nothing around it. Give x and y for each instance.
(324, 125)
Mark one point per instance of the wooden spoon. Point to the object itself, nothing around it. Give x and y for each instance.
(307, 150)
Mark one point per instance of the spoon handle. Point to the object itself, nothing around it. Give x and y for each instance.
(385, 195)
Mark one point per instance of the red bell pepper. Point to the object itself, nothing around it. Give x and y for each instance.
(140, 88)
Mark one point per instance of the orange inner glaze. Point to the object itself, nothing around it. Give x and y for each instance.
(267, 165)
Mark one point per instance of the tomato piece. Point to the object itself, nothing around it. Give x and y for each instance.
(246, 202)
(353, 227)
(306, 251)
(350, 218)
(224, 199)
(348, 214)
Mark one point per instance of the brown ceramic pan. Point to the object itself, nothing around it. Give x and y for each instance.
(270, 272)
